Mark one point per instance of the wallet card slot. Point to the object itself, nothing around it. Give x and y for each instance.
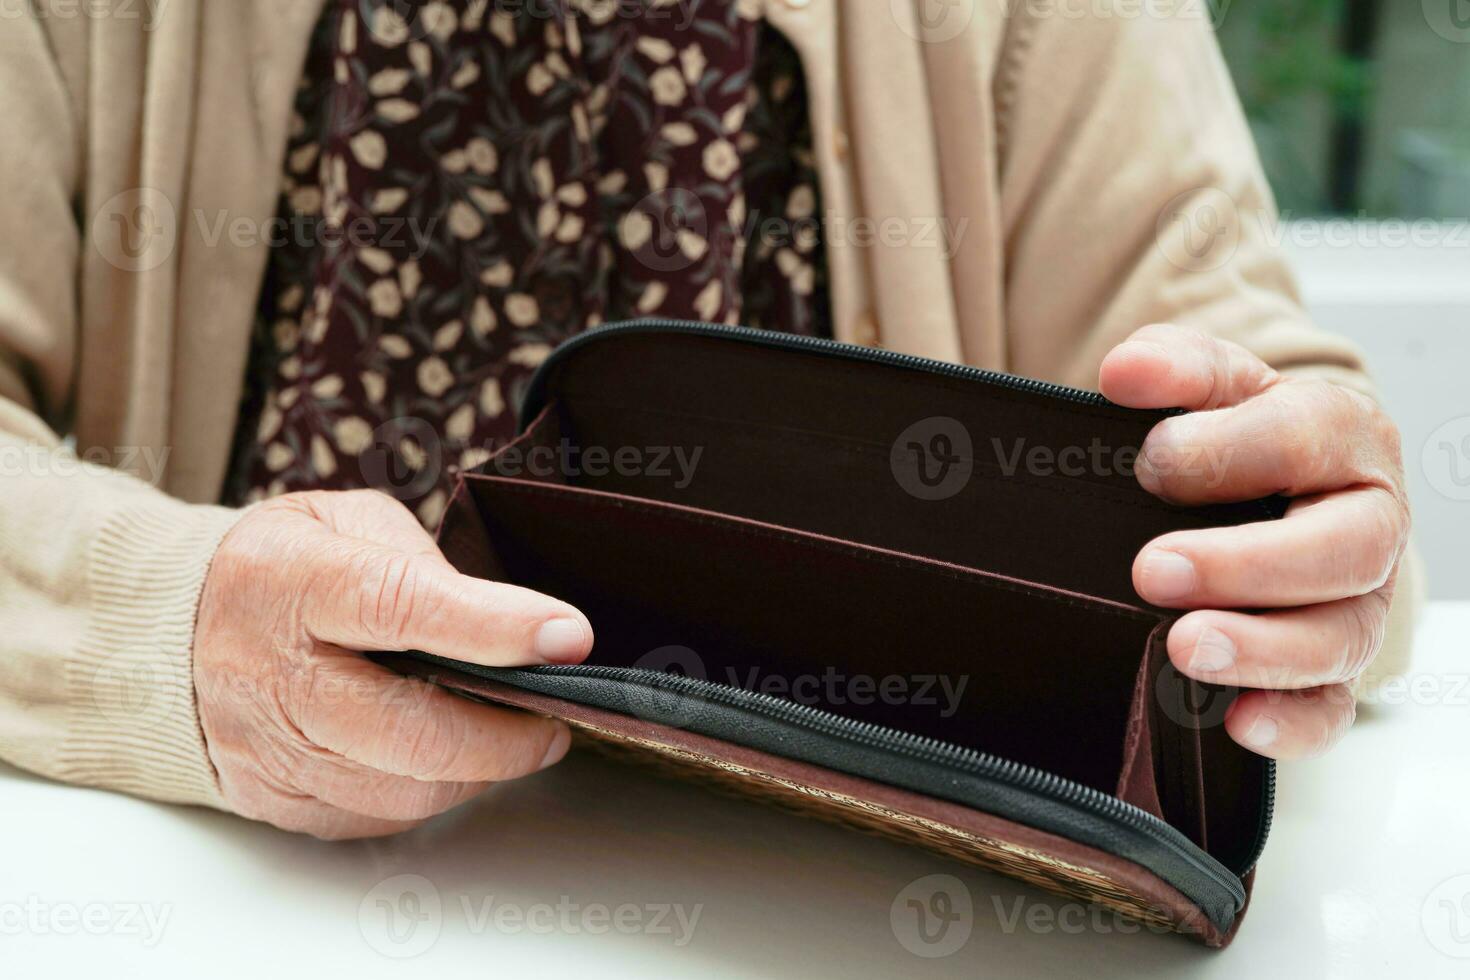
(1030, 673)
(981, 475)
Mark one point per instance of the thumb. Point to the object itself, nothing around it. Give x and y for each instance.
(365, 596)
(1164, 366)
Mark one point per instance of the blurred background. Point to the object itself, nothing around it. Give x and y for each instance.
(1361, 110)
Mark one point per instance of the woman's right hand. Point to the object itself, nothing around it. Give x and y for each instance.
(309, 735)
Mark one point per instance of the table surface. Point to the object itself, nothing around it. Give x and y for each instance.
(592, 869)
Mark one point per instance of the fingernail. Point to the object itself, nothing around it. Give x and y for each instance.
(1262, 733)
(1151, 465)
(561, 641)
(1213, 652)
(1167, 575)
(560, 742)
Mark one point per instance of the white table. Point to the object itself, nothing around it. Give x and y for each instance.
(1367, 875)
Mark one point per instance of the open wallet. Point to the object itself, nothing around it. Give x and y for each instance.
(777, 539)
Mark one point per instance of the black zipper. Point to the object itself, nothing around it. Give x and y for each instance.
(535, 398)
(920, 747)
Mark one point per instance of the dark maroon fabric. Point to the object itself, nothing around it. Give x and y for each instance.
(471, 184)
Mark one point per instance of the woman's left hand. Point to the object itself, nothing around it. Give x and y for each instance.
(1323, 577)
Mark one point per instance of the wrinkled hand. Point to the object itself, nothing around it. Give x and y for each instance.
(309, 735)
(1320, 580)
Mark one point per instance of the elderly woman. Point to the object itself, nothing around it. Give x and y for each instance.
(246, 238)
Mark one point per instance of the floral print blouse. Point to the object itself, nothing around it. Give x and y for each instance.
(470, 183)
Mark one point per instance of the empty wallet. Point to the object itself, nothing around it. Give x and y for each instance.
(888, 591)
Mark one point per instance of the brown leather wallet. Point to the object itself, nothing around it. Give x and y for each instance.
(889, 591)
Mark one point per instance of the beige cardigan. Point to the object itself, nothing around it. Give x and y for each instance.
(1057, 148)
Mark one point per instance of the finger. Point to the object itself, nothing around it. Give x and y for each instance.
(409, 727)
(368, 597)
(1326, 548)
(303, 815)
(1329, 643)
(1164, 366)
(1295, 439)
(347, 785)
(1291, 724)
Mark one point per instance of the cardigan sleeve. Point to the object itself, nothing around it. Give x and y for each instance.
(1131, 194)
(100, 572)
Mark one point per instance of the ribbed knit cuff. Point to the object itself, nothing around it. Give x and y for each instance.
(134, 723)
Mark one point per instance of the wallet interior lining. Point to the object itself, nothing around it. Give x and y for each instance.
(763, 608)
(781, 441)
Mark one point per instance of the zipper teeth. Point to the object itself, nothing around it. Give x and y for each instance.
(1268, 810)
(768, 338)
(919, 747)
